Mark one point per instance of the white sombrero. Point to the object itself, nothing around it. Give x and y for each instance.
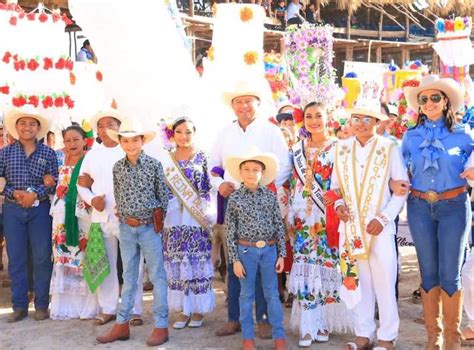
(27, 111)
(110, 113)
(131, 128)
(232, 164)
(243, 88)
(370, 108)
(433, 82)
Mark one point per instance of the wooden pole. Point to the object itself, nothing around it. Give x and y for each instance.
(349, 53)
(318, 11)
(381, 26)
(378, 54)
(407, 28)
(191, 8)
(348, 25)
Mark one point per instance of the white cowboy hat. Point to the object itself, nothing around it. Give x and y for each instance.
(131, 128)
(448, 86)
(232, 164)
(370, 108)
(243, 88)
(110, 112)
(27, 111)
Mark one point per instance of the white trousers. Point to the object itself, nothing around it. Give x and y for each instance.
(108, 291)
(468, 286)
(378, 276)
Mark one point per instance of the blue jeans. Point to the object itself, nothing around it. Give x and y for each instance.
(144, 239)
(21, 226)
(253, 259)
(440, 232)
(233, 294)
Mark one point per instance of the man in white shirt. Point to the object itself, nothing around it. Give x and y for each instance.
(363, 167)
(97, 165)
(250, 129)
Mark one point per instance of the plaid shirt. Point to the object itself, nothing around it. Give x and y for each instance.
(24, 173)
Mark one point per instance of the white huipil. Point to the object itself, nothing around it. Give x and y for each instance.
(98, 163)
(378, 274)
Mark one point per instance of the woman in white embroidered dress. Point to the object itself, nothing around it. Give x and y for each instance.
(315, 277)
(70, 295)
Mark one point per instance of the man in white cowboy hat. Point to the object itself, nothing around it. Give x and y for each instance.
(142, 199)
(26, 210)
(97, 165)
(363, 167)
(250, 129)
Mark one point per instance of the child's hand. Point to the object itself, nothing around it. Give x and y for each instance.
(48, 180)
(279, 265)
(343, 213)
(239, 269)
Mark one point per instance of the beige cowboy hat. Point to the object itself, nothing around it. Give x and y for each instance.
(27, 111)
(131, 128)
(370, 108)
(433, 82)
(243, 88)
(232, 164)
(110, 112)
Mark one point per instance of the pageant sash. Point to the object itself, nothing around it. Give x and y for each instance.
(300, 163)
(96, 262)
(184, 191)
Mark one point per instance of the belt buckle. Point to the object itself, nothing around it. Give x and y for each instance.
(133, 222)
(431, 197)
(260, 244)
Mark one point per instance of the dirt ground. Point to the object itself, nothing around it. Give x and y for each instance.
(77, 334)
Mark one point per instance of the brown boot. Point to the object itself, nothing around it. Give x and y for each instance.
(158, 337)
(229, 328)
(433, 320)
(120, 331)
(264, 330)
(248, 344)
(281, 344)
(41, 314)
(17, 315)
(452, 312)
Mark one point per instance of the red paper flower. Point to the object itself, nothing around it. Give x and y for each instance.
(59, 101)
(32, 65)
(43, 17)
(66, 19)
(6, 57)
(99, 76)
(5, 89)
(31, 16)
(449, 25)
(48, 63)
(33, 100)
(47, 102)
(13, 20)
(69, 64)
(69, 102)
(61, 64)
(22, 14)
(56, 17)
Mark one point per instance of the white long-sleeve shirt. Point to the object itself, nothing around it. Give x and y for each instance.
(391, 205)
(233, 141)
(98, 163)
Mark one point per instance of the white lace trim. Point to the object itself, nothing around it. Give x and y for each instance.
(66, 306)
(332, 318)
(315, 277)
(188, 272)
(192, 303)
(68, 280)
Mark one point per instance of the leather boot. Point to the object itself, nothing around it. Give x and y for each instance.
(248, 344)
(158, 337)
(433, 320)
(229, 328)
(120, 331)
(281, 344)
(452, 312)
(264, 330)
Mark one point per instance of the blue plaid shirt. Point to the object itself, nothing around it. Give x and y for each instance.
(22, 173)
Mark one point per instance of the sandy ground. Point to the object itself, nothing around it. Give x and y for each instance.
(77, 334)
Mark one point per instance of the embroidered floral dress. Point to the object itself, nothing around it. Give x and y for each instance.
(70, 295)
(187, 246)
(315, 277)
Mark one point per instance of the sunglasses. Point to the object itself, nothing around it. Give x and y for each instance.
(357, 121)
(423, 99)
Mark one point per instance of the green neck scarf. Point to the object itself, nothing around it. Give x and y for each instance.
(71, 225)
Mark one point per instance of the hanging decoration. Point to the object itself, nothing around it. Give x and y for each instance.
(275, 73)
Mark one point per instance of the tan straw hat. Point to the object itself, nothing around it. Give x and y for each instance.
(105, 113)
(243, 88)
(448, 86)
(131, 128)
(232, 164)
(27, 111)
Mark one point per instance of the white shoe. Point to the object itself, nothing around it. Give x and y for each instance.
(181, 324)
(322, 338)
(305, 343)
(195, 323)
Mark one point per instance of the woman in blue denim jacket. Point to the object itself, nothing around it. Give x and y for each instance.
(439, 214)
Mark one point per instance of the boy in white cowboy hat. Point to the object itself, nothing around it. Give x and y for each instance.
(363, 167)
(250, 129)
(256, 239)
(141, 195)
(95, 187)
(26, 210)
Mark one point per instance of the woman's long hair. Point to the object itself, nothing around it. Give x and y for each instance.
(449, 116)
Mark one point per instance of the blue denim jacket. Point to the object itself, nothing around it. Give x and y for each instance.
(436, 157)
